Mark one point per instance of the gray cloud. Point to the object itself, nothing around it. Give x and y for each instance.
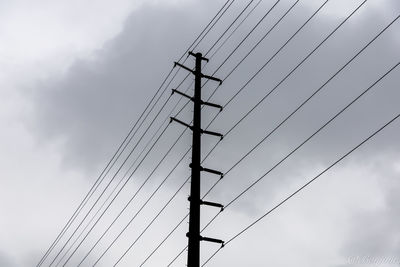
(374, 232)
(94, 103)
(6, 261)
(90, 108)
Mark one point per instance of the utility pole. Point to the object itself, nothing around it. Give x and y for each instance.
(195, 200)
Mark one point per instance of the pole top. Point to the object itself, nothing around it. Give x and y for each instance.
(198, 55)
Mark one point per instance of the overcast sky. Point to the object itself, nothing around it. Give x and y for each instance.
(75, 76)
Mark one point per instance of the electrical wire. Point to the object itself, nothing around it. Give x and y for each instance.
(237, 27)
(305, 141)
(247, 35)
(121, 180)
(220, 37)
(122, 187)
(230, 25)
(260, 21)
(104, 190)
(115, 188)
(287, 156)
(132, 150)
(101, 177)
(141, 186)
(304, 186)
(380, 33)
(205, 28)
(152, 221)
(132, 198)
(241, 42)
(157, 215)
(99, 180)
(230, 4)
(165, 239)
(310, 97)
(144, 205)
(255, 46)
(275, 53)
(94, 187)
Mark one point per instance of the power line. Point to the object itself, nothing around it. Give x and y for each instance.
(325, 2)
(124, 185)
(243, 40)
(157, 215)
(144, 119)
(305, 141)
(236, 28)
(132, 198)
(257, 44)
(193, 46)
(165, 239)
(182, 108)
(263, 18)
(153, 220)
(219, 38)
(289, 74)
(267, 61)
(142, 185)
(253, 48)
(304, 186)
(291, 114)
(230, 25)
(240, 43)
(295, 68)
(223, 12)
(144, 205)
(101, 177)
(309, 98)
(120, 181)
(289, 154)
(108, 184)
(121, 189)
(265, 35)
(94, 187)
(109, 165)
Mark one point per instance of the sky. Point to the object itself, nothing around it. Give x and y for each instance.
(76, 75)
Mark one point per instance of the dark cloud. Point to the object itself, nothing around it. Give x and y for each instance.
(90, 108)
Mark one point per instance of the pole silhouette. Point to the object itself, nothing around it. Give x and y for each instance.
(195, 200)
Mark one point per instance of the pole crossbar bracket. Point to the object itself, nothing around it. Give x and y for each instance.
(212, 204)
(192, 99)
(212, 133)
(201, 75)
(182, 94)
(212, 171)
(212, 105)
(184, 67)
(213, 240)
(181, 122)
(209, 170)
(211, 78)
